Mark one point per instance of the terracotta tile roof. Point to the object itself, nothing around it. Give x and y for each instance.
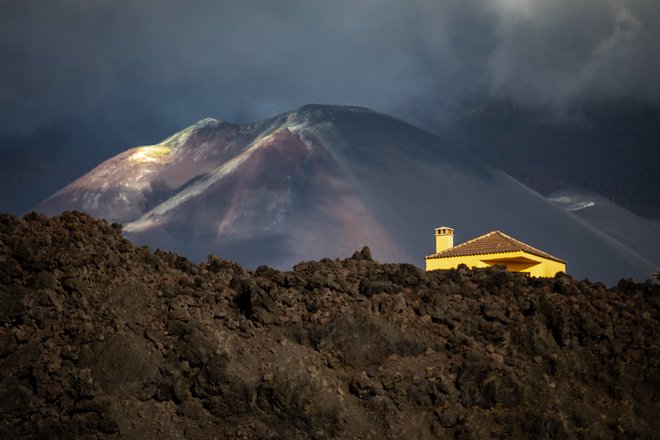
(492, 243)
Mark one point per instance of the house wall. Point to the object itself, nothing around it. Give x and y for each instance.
(548, 268)
(535, 266)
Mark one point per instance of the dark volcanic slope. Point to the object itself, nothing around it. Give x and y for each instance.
(322, 181)
(100, 339)
(611, 149)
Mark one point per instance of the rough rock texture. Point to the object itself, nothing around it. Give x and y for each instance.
(100, 339)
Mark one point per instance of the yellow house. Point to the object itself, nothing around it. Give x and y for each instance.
(494, 248)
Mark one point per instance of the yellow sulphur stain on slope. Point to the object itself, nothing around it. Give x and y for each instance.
(150, 154)
(160, 152)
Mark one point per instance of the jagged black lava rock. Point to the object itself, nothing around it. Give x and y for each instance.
(102, 339)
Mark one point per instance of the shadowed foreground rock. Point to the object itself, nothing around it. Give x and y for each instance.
(99, 339)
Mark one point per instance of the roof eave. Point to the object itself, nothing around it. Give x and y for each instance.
(548, 257)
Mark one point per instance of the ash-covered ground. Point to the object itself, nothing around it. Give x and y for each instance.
(100, 339)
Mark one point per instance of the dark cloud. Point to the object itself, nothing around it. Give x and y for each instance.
(565, 52)
(171, 62)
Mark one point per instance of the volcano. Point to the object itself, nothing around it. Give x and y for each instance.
(322, 181)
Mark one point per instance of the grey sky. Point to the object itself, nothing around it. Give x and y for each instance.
(173, 61)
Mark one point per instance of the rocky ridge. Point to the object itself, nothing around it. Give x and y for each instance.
(102, 339)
